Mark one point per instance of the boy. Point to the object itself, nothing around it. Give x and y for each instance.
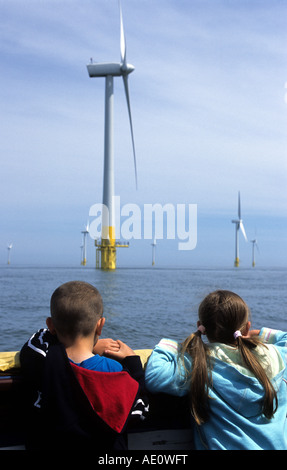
(77, 398)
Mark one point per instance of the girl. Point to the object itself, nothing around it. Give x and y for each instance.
(236, 381)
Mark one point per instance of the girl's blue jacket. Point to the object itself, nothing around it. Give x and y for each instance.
(236, 421)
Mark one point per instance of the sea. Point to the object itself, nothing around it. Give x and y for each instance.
(141, 305)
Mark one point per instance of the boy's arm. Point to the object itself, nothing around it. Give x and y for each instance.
(132, 364)
(119, 352)
(106, 344)
(130, 361)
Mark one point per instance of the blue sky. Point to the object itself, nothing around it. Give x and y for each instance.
(209, 112)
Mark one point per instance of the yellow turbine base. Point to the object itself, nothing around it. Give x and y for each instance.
(108, 249)
(108, 258)
(236, 262)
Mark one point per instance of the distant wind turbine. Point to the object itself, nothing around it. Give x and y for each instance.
(109, 70)
(238, 226)
(254, 243)
(153, 251)
(84, 251)
(9, 249)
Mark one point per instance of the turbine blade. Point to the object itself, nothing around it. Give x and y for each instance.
(125, 79)
(243, 230)
(239, 206)
(122, 39)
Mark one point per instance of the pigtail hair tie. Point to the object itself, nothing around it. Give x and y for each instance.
(201, 329)
(236, 334)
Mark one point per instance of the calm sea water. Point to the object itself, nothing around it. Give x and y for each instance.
(140, 305)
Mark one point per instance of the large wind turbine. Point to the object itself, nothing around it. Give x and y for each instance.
(109, 70)
(238, 226)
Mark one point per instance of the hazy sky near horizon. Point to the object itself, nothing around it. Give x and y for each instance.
(209, 108)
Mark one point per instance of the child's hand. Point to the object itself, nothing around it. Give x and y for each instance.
(253, 333)
(123, 351)
(105, 343)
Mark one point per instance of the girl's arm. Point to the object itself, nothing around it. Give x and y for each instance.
(165, 371)
(276, 337)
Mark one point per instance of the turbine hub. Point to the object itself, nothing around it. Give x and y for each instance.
(127, 68)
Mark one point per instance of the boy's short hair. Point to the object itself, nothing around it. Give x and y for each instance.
(76, 307)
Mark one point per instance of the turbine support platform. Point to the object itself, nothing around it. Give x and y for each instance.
(107, 251)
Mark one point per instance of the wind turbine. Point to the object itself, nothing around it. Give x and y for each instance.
(9, 249)
(109, 70)
(238, 226)
(153, 251)
(254, 243)
(84, 252)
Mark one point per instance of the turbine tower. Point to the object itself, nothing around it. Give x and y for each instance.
(84, 246)
(153, 251)
(254, 243)
(107, 245)
(9, 249)
(238, 226)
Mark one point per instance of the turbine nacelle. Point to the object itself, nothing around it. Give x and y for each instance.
(105, 69)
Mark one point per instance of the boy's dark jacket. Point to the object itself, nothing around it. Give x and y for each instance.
(69, 407)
